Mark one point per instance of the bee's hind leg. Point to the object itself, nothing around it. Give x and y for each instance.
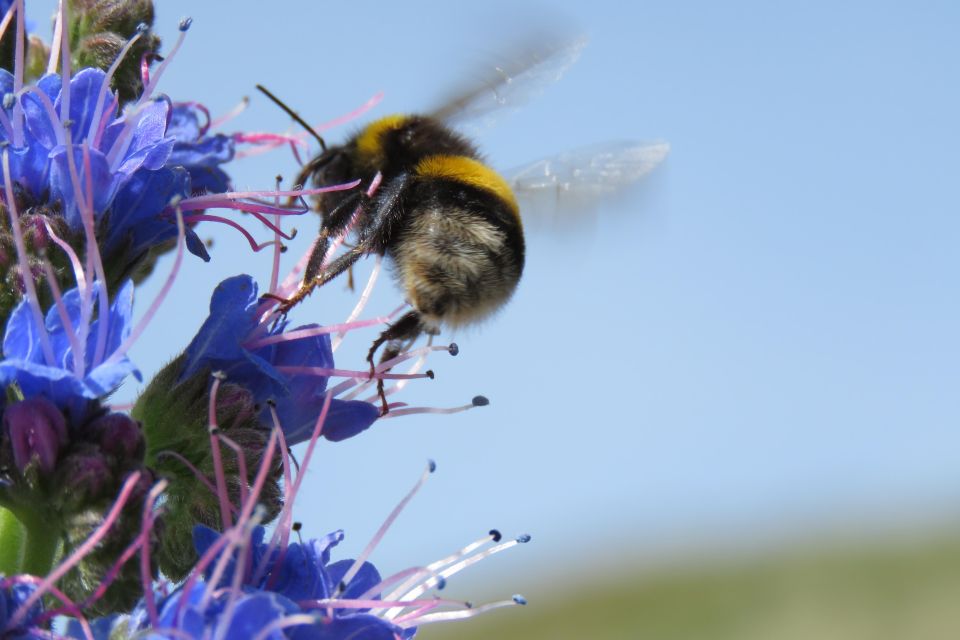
(403, 331)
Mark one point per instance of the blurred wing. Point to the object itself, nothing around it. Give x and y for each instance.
(522, 75)
(588, 173)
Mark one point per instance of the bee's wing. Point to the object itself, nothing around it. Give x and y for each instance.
(583, 175)
(521, 75)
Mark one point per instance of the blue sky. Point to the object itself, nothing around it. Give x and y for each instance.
(760, 337)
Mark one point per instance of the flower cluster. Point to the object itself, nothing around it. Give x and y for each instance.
(151, 519)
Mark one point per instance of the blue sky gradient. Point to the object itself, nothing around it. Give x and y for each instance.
(762, 337)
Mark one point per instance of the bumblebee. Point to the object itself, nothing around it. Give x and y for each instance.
(449, 222)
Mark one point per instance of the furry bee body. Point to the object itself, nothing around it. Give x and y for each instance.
(450, 223)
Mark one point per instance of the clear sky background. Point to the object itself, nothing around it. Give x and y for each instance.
(760, 340)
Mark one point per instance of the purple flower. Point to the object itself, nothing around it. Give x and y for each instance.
(70, 376)
(220, 346)
(37, 431)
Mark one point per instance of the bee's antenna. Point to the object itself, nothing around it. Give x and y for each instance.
(293, 114)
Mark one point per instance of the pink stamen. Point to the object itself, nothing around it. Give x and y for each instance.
(65, 62)
(427, 410)
(234, 541)
(352, 115)
(103, 324)
(196, 474)
(347, 373)
(230, 115)
(384, 366)
(149, 88)
(241, 195)
(230, 223)
(381, 586)
(286, 515)
(291, 282)
(111, 574)
(78, 273)
(122, 143)
(247, 207)
(24, 265)
(357, 603)
(243, 522)
(161, 296)
(292, 620)
(98, 108)
(202, 108)
(236, 584)
(261, 569)
(221, 478)
(93, 263)
(64, 319)
(300, 334)
(241, 463)
(146, 576)
(18, 60)
(58, 128)
(198, 569)
(451, 570)
(431, 569)
(6, 124)
(416, 613)
(378, 536)
(69, 608)
(55, 44)
(275, 267)
(361, 303)
(105, 120)
(145, 61)
(271, 140)
(78, 554)
(7, 18)
(463, 614)
(260, 479)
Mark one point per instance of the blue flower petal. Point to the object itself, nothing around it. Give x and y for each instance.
(367, 576)
(103, 183)
(231, 320)
(355, 627)
(84, 92)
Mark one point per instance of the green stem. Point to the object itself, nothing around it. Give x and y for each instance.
(42, 543)
(28, 542)
(11, 542)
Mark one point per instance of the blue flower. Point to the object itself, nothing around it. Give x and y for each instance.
(299, 398)
(25, 362)
(293, 578)
(134, 167)
(12, 596)
(199, 153)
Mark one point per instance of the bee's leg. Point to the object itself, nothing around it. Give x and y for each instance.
(333, 223)
(407, 328)
(380, 227)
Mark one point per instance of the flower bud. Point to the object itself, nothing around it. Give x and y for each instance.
(37, 431)
(118, 435)
(87, 475)
(103, 27)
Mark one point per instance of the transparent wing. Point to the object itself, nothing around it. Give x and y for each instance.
(521, 75)
(587, 173)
